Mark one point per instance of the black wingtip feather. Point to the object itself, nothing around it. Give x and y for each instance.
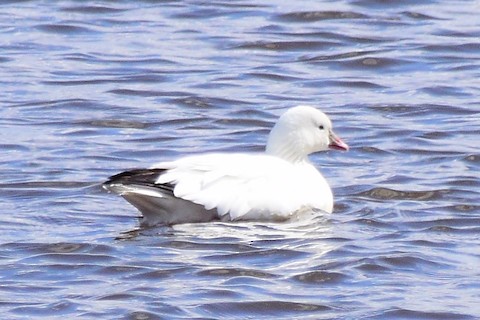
(143, 177)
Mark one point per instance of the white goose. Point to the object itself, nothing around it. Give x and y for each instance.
(274, 185)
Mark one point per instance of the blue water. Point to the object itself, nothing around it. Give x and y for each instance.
(92, 88)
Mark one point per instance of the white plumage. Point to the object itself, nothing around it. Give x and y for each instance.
(274, 185)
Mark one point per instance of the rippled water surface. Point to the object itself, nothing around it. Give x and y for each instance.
(90, 88)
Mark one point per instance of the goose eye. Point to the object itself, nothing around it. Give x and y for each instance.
(320, 127)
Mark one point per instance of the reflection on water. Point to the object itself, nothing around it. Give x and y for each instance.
(93, 88)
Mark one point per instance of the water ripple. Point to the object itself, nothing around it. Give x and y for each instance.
(313, 16)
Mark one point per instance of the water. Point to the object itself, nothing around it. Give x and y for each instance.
(92, 88)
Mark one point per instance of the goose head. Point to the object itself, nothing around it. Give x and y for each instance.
(301, 131)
